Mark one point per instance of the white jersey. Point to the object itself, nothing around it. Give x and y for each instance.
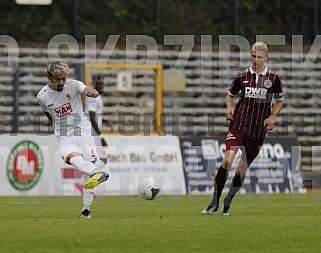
(96, 105)
(65, 108)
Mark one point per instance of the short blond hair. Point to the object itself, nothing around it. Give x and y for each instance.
(57, 68)
(260, 46)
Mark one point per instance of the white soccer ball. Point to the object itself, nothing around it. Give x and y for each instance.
(148, 188)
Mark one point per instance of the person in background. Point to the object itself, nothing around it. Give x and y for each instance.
(94, 111)
(249, 122)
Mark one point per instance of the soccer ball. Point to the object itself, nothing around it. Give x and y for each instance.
(148, 188)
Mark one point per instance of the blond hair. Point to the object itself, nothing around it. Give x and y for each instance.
(58, 68)
(260, 46)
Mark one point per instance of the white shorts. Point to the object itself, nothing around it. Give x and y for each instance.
(84, 144)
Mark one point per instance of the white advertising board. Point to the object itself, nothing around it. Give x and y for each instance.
(26, 165)
(31, 165)
(131, 158)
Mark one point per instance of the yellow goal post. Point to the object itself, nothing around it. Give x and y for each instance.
(143, 82)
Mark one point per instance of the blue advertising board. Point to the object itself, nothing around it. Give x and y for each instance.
(276, 169)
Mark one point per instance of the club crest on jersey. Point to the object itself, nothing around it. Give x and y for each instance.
(68, 96)
(63, 110)
(267, 83)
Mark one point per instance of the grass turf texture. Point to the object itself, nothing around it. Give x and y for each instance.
(258, 223)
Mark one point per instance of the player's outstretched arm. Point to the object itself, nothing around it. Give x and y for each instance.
(90, 92)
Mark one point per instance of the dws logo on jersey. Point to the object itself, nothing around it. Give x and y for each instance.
(24, 165)
(63, 110)
(253, 92)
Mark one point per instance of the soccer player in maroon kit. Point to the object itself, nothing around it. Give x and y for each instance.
(249, 122)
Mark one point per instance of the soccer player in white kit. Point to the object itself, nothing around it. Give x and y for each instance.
(61, 102)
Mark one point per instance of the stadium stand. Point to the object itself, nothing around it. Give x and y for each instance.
(198, 110)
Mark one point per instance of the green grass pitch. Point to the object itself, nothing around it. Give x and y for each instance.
(258, 223)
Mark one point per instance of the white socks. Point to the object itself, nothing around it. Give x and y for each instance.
(85, 167)
(88, 195)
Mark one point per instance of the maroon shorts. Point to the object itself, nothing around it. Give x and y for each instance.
(250, 146)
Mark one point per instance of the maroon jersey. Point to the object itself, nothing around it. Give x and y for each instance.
(254, 105)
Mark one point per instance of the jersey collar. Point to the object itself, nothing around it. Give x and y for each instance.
(263, 73)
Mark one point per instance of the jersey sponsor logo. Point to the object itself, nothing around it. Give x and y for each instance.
(63, 110)
(25, 165)
(267, 83)
(254, 92)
